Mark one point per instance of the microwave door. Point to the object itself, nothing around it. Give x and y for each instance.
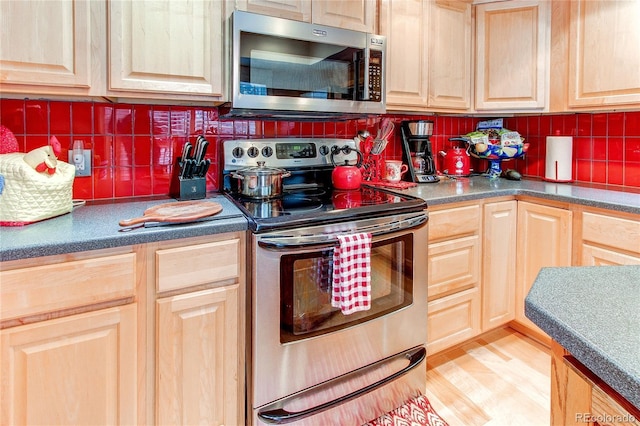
(299, 67)
(275, 73)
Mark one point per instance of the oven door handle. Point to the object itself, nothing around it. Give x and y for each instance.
(280, 242)
(275, 414)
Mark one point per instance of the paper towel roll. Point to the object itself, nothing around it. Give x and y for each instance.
(559, 158)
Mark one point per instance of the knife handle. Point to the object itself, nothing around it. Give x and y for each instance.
(205, 168)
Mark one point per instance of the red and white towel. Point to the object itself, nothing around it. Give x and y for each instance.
(351, 289)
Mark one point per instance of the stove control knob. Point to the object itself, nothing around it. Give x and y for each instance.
(324, 150)
(237, 152)
(253, 152)
(267, 151)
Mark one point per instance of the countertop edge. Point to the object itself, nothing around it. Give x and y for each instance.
(591, 353)
(163, 233)
(590, 356)
(95, 227)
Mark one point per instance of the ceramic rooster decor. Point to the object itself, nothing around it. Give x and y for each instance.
(45, 158)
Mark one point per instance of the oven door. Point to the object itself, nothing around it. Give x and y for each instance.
(299, 341)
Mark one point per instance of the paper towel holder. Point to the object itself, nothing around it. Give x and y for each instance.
(559, 158)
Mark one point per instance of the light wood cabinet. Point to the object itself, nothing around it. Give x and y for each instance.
(148, 334)
(199, 347)
(197, 358)
(544, 239)
(166, 47)
(453, 313)
(74, 370)
(579, 397)
(607, 238)
(48, 47)
(499, 263)
(161, 49)
(604, 63)
(512, 55)
(453, 319)
(75, 359)
(428, 54)
(298, 10)
(357, 15)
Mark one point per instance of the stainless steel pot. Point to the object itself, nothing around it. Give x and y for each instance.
(260, 181)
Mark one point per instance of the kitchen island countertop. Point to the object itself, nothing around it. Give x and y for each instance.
(594, 313)
(95, 225)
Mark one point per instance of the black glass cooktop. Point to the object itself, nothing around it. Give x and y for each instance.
(308, 206)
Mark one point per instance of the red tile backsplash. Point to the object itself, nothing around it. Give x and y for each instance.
(135, 147)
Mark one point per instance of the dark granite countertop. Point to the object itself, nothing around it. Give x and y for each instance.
(594, 313)
(464, 189)
(96, 226)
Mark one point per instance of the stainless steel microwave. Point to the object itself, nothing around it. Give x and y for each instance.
(284, 65)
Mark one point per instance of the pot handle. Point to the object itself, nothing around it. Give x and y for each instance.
(237, 176)
(346, 150)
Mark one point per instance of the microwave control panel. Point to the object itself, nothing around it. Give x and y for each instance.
(375, 76)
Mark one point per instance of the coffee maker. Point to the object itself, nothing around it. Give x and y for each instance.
(417, 152)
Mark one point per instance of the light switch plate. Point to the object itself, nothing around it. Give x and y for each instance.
(87, 163)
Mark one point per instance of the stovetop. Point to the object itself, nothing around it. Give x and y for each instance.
(302, 207)
(308, 197)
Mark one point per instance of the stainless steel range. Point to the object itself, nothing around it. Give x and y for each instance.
(310, 364)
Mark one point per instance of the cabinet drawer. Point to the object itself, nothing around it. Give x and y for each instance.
(611, 231)
(453, 319)
(598, 256)
(54, 287)
(453, 222)
(453, 266)
(188, 266)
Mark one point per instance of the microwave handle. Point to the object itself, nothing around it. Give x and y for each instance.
(366, 75)
(322, 241)
(275, 414)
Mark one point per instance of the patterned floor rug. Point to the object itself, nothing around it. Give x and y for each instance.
(415, 412)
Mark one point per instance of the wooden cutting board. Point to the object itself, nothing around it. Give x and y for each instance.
(179, 211)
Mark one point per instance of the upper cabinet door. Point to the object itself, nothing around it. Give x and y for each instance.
(428, 54)
(298, 10)
(604, 53)
(357, 15)
(404, 23)
(46, 44)
(166, 46)
(450, 55)
(512, 55)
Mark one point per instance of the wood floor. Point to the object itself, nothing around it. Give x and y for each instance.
(501, 378)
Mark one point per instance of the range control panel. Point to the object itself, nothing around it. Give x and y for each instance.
(286, 152)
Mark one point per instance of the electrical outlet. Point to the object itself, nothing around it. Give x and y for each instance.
(81, 159)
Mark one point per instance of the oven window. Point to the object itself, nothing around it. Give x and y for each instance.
(305, 289)
(274, 66)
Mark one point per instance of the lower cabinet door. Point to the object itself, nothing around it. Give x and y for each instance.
(76, 370)
(197, 358)
(453, 319)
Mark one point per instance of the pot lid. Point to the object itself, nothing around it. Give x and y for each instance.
(261, 169)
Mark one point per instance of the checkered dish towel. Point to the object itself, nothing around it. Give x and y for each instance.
(351, 289)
